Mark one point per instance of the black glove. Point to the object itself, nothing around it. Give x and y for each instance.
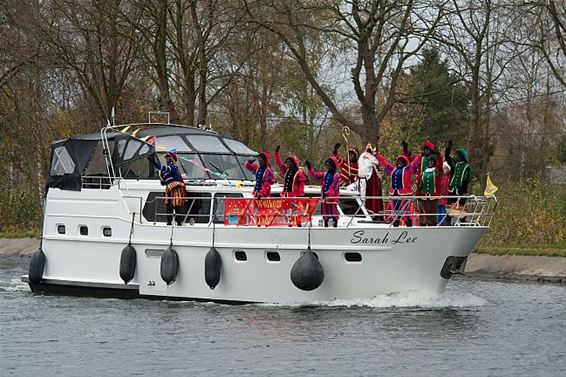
(251, 160)
(277, 148)
(308, 163)
(405, 145)
(447, 150)
(336, 146)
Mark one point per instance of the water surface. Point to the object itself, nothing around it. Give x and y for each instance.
(473, 329)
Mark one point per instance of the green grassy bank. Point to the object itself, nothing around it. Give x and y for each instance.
(530, 220)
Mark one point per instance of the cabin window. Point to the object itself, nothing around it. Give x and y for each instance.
(242, 160)
(219, 205)
(273, 256)
(197, 208)
(353, 257)
(62, 163)
(238, 147)
(83, 230)
(61, 229)
(223, 166)
(107, 231)
(207, 144)
(165, 143)
(240, 256)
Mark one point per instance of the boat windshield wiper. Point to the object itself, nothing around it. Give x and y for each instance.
(218, 169)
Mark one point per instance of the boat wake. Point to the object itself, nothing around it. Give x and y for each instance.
(14, 284)
(416, 299)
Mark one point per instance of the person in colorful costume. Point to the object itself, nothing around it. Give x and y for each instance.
(175, 190)
(293, 181)
(264, 177)
(429, 150)
(442, 218)
(329, 188)
(374, 204)
(428, 187)
(293, 177)
(461, 173)
(401, 184)
(348, 167)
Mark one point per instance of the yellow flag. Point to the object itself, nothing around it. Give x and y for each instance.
(490, 188)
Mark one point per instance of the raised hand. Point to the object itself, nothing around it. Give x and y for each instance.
(277, 148)
(337, 146)
(405, 145)
(449, 144)
(308, 164)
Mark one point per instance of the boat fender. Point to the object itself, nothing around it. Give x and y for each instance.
(212, 267)
(307, 272)
(169, 265)
(128, 263)
(36, 266)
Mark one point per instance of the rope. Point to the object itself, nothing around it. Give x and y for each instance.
(132, 228)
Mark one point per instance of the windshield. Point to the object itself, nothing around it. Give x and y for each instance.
(223, 166)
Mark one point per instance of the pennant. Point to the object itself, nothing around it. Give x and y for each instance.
(490, 188)
(125, 129)
(135, 132)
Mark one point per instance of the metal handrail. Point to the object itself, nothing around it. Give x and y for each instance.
(477, 211)
(102, 181)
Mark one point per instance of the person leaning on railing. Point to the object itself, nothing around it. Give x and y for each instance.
(329, 188)
(175, 191)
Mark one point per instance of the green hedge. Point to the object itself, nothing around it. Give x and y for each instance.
(532, 213)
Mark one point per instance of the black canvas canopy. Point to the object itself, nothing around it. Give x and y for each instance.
(202, 155)
(71, 158)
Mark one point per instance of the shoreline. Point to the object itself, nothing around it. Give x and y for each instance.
(505, 268)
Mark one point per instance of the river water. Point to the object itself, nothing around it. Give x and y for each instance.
(473, 329)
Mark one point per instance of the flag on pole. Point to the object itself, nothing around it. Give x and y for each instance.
(490, 188)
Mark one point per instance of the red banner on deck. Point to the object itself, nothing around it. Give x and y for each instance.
(269, 212)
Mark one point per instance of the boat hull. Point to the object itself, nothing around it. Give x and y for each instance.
(392, 260)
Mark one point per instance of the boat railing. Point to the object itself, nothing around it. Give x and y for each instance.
(101, 182)
(395, 211)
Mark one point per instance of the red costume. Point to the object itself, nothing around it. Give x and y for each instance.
(264, 177)
(424, 164)
(348, 169)
(373, 189)
(293, 179)
(330, 190)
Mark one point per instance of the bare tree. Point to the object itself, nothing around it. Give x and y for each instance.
(379, 35)
(89, 39)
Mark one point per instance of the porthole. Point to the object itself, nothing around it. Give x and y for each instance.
(83, 230)
(273, 256)
(353, 257)
(107, 231)
(61, 229)
(240, 256)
